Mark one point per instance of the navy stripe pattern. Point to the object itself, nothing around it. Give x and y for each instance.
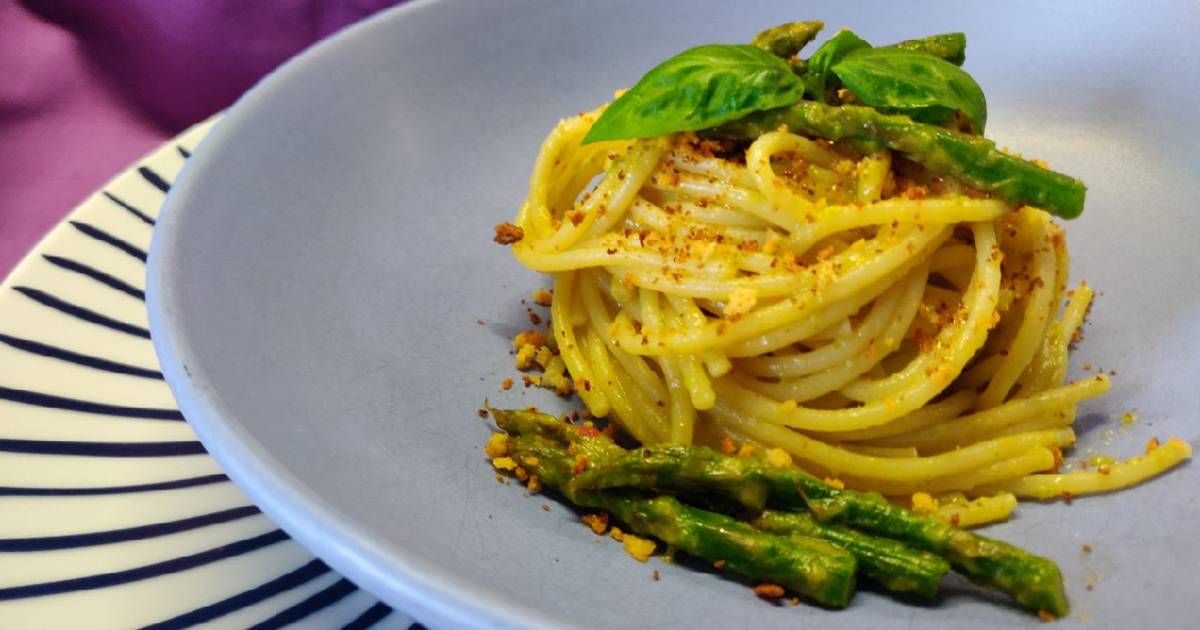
(80, 312)
(107, 280)
(78, 358)
(176, 484)
(56, 321)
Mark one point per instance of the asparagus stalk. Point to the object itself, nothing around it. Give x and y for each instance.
(949, 46)
(1034, 582)
(973, 159)
(809, 566)
(893, 565)
(786, 40)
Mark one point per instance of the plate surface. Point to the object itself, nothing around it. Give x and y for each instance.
(111, 513)
(315, 285)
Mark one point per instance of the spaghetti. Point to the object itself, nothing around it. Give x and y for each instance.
(890, 328)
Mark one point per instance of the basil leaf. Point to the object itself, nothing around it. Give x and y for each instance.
(831, 52)
(905, 80)
(697, 89)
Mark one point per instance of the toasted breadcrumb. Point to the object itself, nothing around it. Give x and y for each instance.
(727, 445)
(1045, 616)
(497, 445)
(719, 564)
(639, 548)
(542, 297)
(746, 450)
(617, 534)
(740, 302)
(525, 356)
(507, 233)
(506, 384)
(535, 338)
(834, 482)
(767, 590)
(923, 503)
(535, 484)
(778, 458)
(598, 522)
(504, 463)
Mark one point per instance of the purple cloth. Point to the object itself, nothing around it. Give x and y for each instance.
(89, 86)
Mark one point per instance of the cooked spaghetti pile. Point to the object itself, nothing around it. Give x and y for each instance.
(891, 328)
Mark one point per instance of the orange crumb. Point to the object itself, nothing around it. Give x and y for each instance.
(767, 590)
(617, 534)
(656, 576)
(719, 564)
(598, 522)
(581, 464)
(727, 446)
(746, 450)
(535, 484)
(1087, 548)
(1045, 616)
(506, 384)
(1151, 445)
(507, 233)
(543, 297)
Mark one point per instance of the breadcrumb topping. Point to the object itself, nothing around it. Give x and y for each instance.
(639, 548)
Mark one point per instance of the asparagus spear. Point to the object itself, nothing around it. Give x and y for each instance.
(973, 159)
(808, 566)
(786, 40)
(891, 564)
(949, 46)
(1035, 582)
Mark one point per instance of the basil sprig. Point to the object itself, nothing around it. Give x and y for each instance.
(698, 89)
(706, 86)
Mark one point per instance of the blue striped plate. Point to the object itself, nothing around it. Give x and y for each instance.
(112, 515)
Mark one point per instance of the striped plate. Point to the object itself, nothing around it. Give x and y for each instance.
(111, 513)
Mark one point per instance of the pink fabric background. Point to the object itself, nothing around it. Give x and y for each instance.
(89, 86)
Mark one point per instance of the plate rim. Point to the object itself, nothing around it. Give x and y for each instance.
(419, 589)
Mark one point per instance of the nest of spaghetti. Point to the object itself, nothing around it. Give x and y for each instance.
(891, 328)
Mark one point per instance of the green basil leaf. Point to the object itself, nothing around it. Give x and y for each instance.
(698, 89)
(903, 80)
(824, 58)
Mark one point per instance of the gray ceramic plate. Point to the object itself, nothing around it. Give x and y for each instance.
(316, 281)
